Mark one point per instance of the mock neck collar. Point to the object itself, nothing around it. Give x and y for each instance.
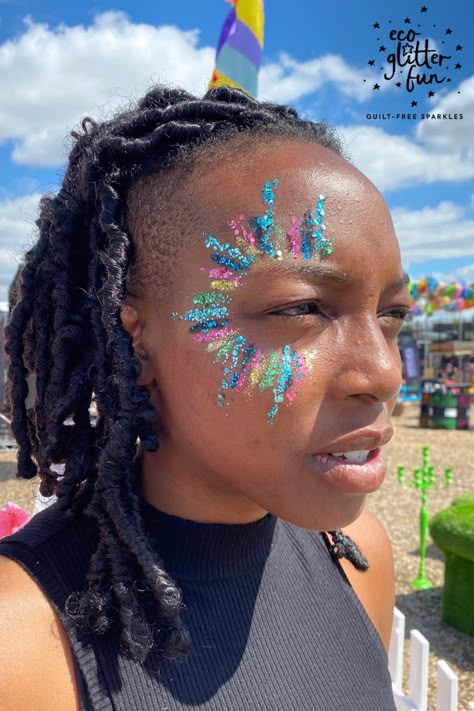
(205, 551)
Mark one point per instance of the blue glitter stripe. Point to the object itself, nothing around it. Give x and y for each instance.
(204, 314)
(306, 232)
(235, 259)
(206, 326)
(312, 229)
(265, 224)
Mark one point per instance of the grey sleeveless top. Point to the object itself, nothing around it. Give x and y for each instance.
(274, 622)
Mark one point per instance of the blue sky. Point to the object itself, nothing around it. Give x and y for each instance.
(60, 63)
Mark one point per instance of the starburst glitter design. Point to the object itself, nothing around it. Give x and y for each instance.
(245, 366)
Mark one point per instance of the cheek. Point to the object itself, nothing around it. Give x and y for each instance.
(248, 371)
(240, 391)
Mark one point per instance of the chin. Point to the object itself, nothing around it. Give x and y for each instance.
(332, 517)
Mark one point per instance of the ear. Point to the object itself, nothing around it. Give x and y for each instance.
(130, 317)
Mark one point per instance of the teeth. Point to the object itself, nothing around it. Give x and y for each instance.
(358, 455)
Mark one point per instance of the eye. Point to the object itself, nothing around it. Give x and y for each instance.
(399, 314)
(307, 308)
(393, 319)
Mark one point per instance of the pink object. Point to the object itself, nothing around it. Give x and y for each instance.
(212, 335)
(293, 234)
(12, 517)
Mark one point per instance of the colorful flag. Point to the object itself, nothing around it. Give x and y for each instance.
(239, 51)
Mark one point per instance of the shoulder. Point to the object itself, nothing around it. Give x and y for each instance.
(36, 662)
(375, 587)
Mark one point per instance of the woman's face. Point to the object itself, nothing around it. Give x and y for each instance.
(280, 348)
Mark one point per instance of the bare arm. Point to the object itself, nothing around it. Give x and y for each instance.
(376, 587)
(36, 663)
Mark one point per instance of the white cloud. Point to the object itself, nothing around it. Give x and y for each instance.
(50, 77)
(17, 233)
(442, 232)
(446, 135)
(393, 161)
(289, 80)
(465, 273)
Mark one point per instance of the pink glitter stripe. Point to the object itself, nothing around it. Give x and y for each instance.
(291, 393)
(238, 227)
(241, 381)
(219, 273)
(294, 235)
(256, 359)
(211, 336)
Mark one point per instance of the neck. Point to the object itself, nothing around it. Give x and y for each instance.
(179, 488)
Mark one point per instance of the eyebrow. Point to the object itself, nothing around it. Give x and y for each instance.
(325, 273)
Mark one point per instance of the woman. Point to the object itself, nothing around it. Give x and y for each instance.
(230, 289)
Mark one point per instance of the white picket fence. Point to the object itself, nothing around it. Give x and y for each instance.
(417, 699)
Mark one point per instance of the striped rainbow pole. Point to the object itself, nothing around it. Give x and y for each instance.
(239, 51)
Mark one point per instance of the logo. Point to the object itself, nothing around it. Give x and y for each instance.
(416, 56)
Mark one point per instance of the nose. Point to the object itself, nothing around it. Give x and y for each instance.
(369, 366)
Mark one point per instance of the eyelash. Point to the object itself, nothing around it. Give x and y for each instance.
(399, 314)
(314, 304)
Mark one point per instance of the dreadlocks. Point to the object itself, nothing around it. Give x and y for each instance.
(66, 328)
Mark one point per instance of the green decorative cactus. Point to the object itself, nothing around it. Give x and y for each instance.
(423, 480)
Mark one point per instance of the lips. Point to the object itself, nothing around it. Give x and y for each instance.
(351, 477)
(360, 441)
(357, 455)
(354, 463)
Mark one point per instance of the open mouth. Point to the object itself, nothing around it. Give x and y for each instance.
(358, 456)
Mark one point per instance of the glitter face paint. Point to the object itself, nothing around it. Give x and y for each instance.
(246, 367)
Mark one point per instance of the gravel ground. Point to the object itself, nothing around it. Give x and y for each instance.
(398, 509)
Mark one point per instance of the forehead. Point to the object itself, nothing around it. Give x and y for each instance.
(233, 183)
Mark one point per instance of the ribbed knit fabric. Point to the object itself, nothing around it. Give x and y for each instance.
(274, 622)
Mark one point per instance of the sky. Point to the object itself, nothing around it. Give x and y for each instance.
(402, 102)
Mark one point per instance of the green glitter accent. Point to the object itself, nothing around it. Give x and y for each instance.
(271, 371)
(224, 351)
(211, 297)
(327, 249)
(271, 414)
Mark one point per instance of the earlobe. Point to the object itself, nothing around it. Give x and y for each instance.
(131, 323)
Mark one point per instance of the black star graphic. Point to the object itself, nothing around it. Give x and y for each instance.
(459, 48)
(449, 31)
(371, 62)
(431, 93)
(376, 26)
(376, 86)
(414, 103)
(407, 20)
(424, 9)
(382, 48)
(399, 83)
(457, 66)
(407, 49)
